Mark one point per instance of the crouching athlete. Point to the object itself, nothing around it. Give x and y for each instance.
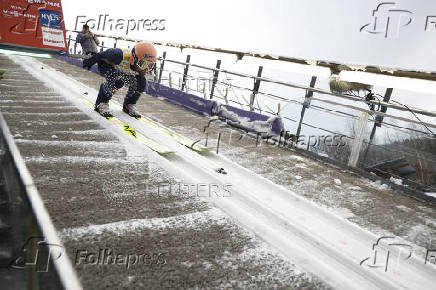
(120, 68)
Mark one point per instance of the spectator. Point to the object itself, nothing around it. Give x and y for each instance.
(88, 41)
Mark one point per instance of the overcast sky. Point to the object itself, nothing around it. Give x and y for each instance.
(336, 30)
(314, 29)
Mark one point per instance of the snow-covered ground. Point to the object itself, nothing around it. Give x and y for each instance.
(317, 239)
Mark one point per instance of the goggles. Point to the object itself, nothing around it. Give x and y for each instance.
(142, 64)
(146, 65)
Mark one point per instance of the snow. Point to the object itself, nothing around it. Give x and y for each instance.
(186, 221)
(317, 240)
(337, 181)
(198, 102)
(378, 185)
(263, 127)
(301, 165)
(403, 208)
(397, 181)
(343, 213)
(296, 157)
(432, 194)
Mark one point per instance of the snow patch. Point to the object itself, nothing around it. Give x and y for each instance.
(295, 157)
(432, 194)
(198, 102)
(378, 185)
(337, 181)
(397, 181)
(322, 154)
(343, 212)
(191, 220)
(264, 127)
(301, 165)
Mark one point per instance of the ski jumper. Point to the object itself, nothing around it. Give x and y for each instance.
(116, 79)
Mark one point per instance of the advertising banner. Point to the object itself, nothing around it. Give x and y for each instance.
(32, 23)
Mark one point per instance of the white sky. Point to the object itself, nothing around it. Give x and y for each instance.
(309, 29)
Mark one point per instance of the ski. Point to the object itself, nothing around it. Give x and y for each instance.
(179, 138)
(153, 145)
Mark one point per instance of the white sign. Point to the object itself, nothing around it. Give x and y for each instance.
(52, 37)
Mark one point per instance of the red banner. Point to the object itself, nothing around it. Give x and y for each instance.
(32, 23)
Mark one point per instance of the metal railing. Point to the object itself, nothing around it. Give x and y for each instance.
(32, 255)
(361, 151)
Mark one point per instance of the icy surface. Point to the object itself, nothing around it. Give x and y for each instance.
(368, 204)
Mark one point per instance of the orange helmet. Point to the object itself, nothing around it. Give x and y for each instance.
(143, 56)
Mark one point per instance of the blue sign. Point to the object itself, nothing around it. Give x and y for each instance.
(50, 19)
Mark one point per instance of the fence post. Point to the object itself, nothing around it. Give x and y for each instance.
(69, 41)
(115, 43)
(306, 104)
(75, 47)
(386, 99)
(102, 45)
(225, 96)
(378, 120)
(162, 63)
(215, 78)
(358, 140)
(170, 82)
(185, 72)
(255, 88)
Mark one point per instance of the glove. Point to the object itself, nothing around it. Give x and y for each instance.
(89, 62)
(119, 83)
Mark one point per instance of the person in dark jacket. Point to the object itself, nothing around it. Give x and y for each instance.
(123, 67)
(87, 40)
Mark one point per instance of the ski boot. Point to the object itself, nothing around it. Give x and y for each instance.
(131, 110)
(103, 109)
